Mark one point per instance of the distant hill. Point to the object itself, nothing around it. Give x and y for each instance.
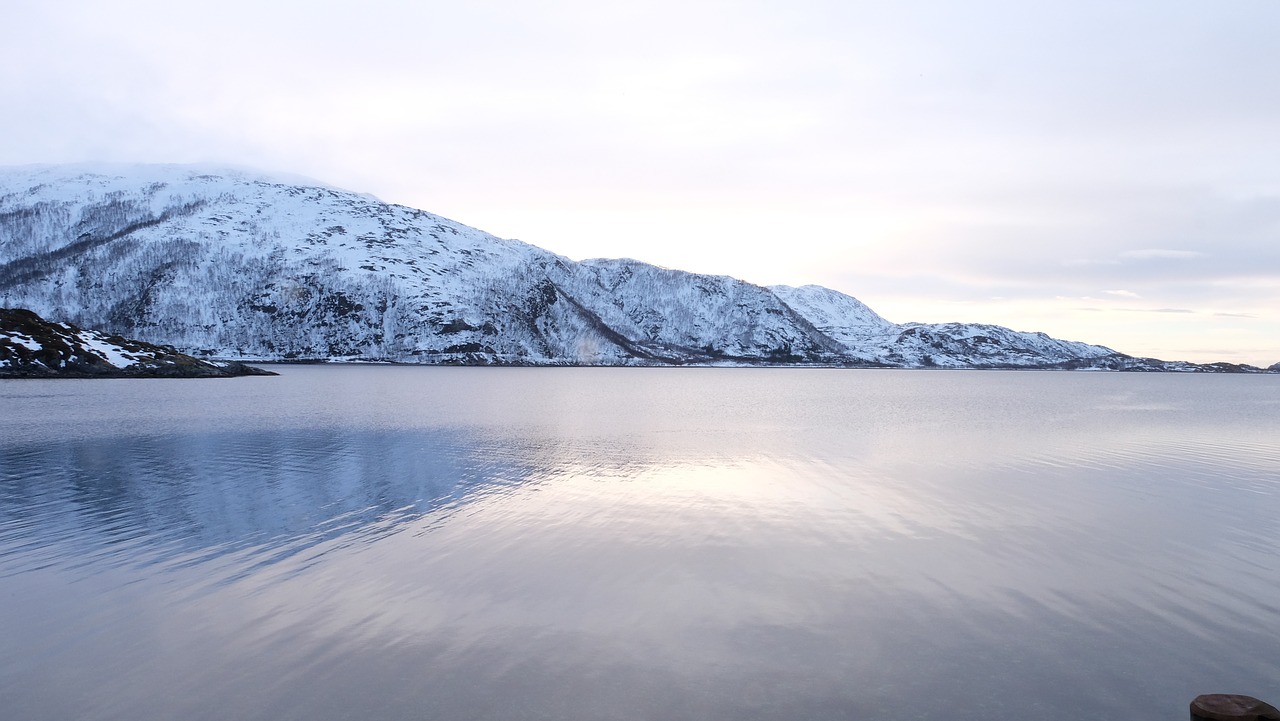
(232, 265)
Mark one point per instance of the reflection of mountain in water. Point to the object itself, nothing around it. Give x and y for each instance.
(214, 494)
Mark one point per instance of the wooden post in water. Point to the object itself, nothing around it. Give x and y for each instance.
(1232, 707)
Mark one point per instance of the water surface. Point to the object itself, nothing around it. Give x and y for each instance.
(470, 543)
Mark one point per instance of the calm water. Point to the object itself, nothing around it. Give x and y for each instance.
(455, 543)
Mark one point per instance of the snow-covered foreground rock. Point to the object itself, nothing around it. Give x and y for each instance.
(229, 264)
(31, 346)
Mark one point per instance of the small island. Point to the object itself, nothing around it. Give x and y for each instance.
(32, 347)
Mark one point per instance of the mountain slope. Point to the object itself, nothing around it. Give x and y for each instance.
(955, 345)
(236, 265)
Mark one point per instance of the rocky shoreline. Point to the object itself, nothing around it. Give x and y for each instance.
(32, 347)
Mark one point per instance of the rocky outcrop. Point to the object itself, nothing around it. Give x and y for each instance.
(31, 347)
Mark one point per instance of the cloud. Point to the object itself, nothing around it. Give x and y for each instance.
(1155, 310)
(1161, 253)
(1122, 293)
(1077, 262)
(1234, 315)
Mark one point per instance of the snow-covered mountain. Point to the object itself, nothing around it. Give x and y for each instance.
(231, 264)
(866, 335)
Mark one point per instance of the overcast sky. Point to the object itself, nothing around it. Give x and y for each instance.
(1101, 171)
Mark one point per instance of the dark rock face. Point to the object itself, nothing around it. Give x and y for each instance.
(31, 347)
(1232, 707)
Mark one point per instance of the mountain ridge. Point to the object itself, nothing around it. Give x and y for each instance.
(238, 264)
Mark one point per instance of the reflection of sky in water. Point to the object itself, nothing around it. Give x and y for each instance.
(463, 543)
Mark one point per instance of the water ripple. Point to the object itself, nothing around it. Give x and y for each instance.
(768, 545)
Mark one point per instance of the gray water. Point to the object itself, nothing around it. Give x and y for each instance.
(465, 543)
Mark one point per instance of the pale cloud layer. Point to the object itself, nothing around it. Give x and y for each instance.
(981, 161)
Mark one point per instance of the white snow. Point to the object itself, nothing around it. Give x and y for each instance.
(24, 340)
(115, 355)
(826, 308)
